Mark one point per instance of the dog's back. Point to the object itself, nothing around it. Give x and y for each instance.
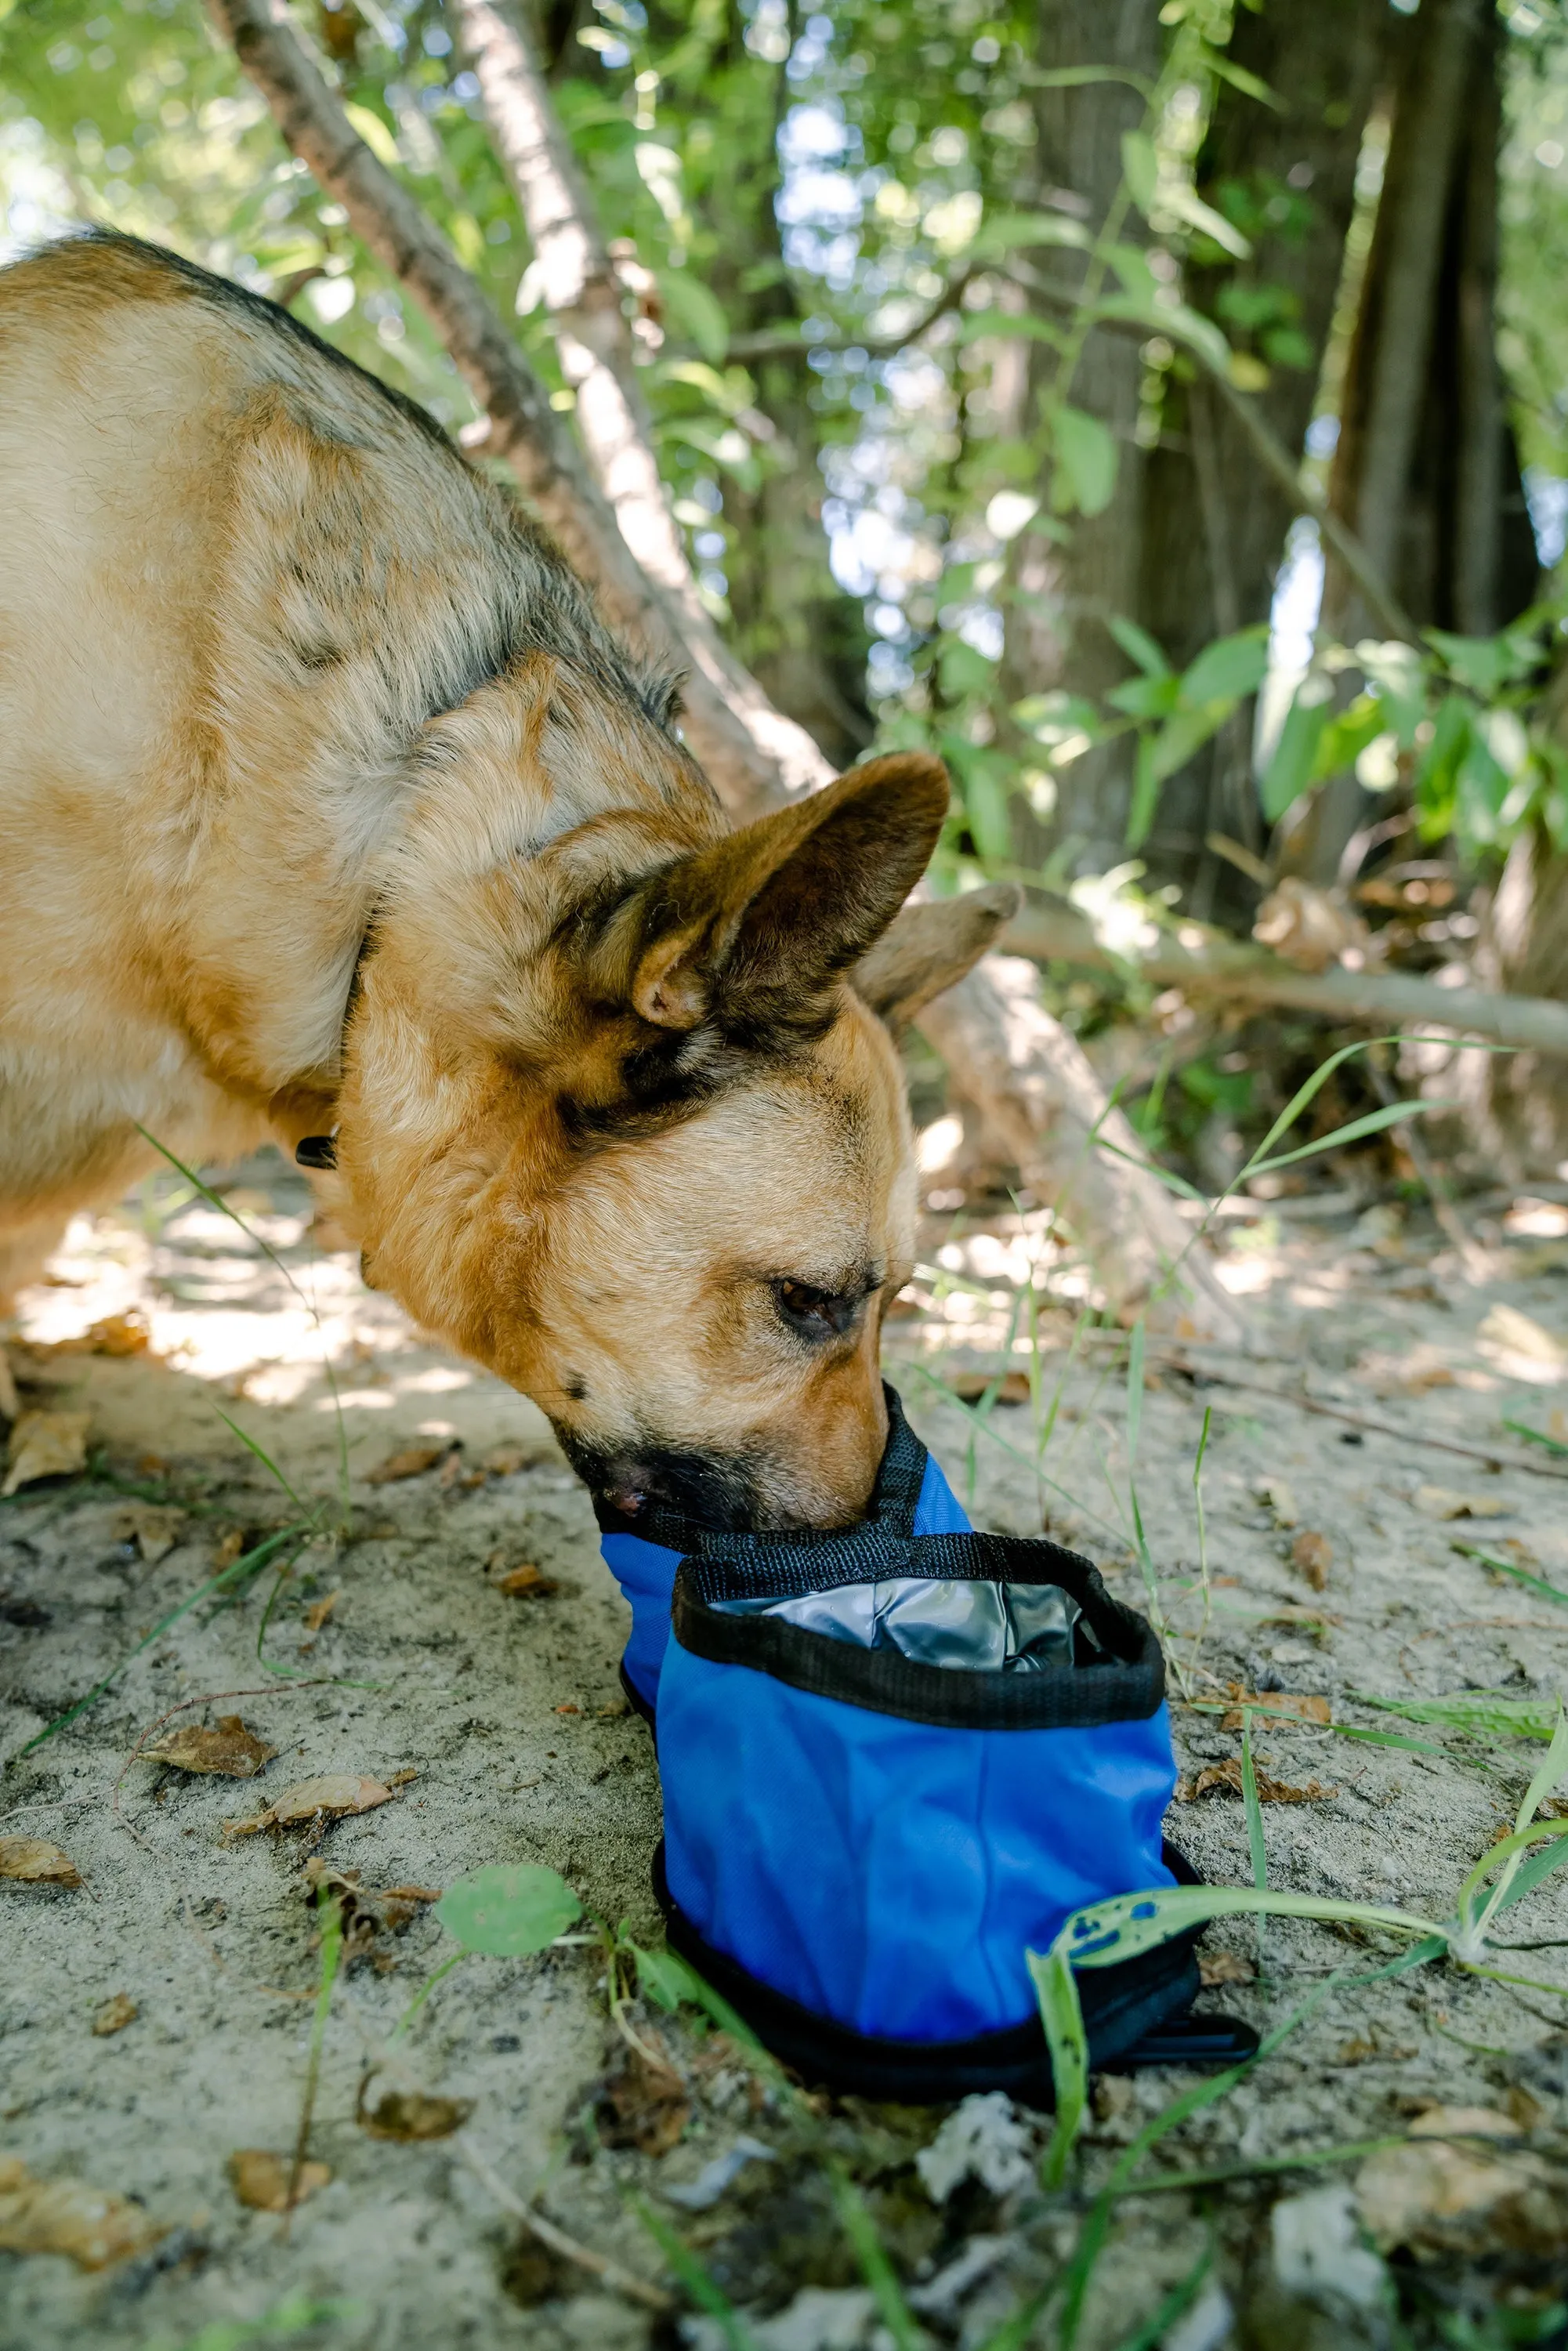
(237, 577)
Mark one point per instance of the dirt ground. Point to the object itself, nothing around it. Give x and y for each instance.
(495, 1718)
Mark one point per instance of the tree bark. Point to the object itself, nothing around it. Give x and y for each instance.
(1063, 596)
(1028, 1064)
(1215, 525)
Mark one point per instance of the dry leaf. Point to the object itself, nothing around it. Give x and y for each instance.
(1361, 2051)
(1216, 1778)
(526, 1583)
(315, 1616)
(412, 1462)
(1442, 1503)
(365, 1912)
(644, 2106)
(332, 1795)
(410, 2114)
(153, 1527)
(229, 1547)
(1464, 2122)
(1281, 1500)
(44, 1444)
(506, 1461)
(1519, 1334)
(91, 2227)
(401, 1778)
(1313, 1554)
(117, 1334)
(1298, 1706)
(1310, 928)
(227, 1748)
(1436, 2197)
(118, 2010)
(1225, 1968)
(260, 2178)
(10, 1404)
(32, 1862)
(970, 1386)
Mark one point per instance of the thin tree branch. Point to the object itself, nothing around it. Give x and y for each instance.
(788, 343)
(751, 756)
(584, 298)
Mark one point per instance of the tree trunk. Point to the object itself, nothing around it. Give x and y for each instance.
(1056, 632)
(1215, 525)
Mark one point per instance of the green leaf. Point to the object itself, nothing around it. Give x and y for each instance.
(1000, 234)
(1512, 1718)
(375, 133)
(1189, 205)
(1145, 697)
(1500, 1566)
(666, 1978)
(506, 1910)
(1062, 2015)
(1536, 1436)
(1138, 646)
(698, 312)
(1486, 665)
(1131, 264)
(1179, 320)
(1140, 168)
(1247, 83)
(1103, 1934)
(1145, 794)
(1290, 770)
(1353, 1131)
(1086, 454)
(1183, 735)
(1229, 668)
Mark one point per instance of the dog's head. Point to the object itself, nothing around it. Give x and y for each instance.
(630, 1129)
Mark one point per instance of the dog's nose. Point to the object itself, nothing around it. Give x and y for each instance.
(717, 1490)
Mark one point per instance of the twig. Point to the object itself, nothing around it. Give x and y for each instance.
(788, 343)
(1493, 1460)
(635, 2289)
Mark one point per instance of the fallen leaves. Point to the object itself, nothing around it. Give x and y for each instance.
(1279, 1499)
(153, 1527)
(33, 1862)
(332, 1796)
(1296, 1705)
(260, 2179)
(644, 2106)
(1225, 1779)
(44, 1444)
(972, 1387)
(410, 2115)
(227, 1748)
(366, 1913)
(1432, 2197)
(523, 1582)
(114, 2014)
(1223, 1968)
(319, 1612)
(412, 1461)
(1513, 1333)
(89, 2225)
(1313, 1554)
(117, 1334)
(1442, 1503)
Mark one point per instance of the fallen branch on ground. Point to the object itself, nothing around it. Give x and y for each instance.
(1240, 973)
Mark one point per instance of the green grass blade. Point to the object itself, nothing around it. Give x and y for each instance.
(1256, 1844)
(1354, 1131)
(1163, 2183)
(1536, 1436)
(1062, 2014)
(1084, 1509)
(871, 2255)
(1181, 2298)
(1485, 1714)
(1102, 1934)
(1134, 1391)
(1531, 1872)
(226, 1579)
(699, 2282)
(261, 1455)
(1500, 1566)
(1503, 1851)
(1546, 1781)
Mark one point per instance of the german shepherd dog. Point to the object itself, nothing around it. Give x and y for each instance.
(330, 811)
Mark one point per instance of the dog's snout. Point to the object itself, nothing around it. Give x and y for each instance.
(720, 1490)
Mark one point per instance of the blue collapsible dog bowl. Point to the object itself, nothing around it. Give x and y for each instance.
(895, 1757)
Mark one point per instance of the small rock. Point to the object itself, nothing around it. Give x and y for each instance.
(116, 2012)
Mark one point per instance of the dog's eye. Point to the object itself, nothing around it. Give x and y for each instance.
(819, 1313)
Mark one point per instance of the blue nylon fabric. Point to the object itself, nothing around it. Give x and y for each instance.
(888, 1874)
(646, 1575)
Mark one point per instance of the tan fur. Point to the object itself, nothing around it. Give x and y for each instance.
(277, 667)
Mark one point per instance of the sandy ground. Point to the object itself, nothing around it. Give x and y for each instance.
(499, 1718)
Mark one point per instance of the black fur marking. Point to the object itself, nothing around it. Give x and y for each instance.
(721, 1490)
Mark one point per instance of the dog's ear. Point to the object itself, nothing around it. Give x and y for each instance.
(925, 948)
(752, 933)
